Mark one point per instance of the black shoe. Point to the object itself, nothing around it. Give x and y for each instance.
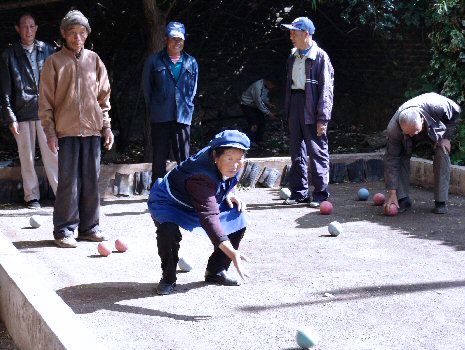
(33, 204)
(439, 208)
(164, 288)
(404, 204)
(221, 278)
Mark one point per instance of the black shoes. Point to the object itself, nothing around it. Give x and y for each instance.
(221, 278)
(33, 204)
(404, 204)
(164, 288)
(439, 208)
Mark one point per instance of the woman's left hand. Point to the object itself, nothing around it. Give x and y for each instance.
(232, 199)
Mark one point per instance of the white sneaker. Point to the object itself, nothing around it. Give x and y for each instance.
(314, 204)
(66, 242)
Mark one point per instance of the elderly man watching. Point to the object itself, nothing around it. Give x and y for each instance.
(428, 117)
(73, 107)
(308, 106)
(169, 83)
(20, 67)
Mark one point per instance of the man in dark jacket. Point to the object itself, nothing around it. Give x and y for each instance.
(308, 106)
(20, 68)
(428, 117)
(170, 83)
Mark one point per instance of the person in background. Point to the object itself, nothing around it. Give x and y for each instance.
(74, 102)
(256, 106)
(308, 106)
(20, 67)
(169, 82)
(199, 193)
(429, 117)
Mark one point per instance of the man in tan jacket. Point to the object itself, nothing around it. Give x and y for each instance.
(74, 101)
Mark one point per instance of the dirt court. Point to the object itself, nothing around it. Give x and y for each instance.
(384, 283)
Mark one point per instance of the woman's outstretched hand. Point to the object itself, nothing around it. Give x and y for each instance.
(236, 257)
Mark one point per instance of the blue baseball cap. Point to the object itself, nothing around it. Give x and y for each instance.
(301, 23)
(230, 138)
(175, 30)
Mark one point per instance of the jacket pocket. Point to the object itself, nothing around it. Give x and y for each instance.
(189, 84)
(159, 82)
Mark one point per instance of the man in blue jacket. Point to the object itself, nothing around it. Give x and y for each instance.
(170, 83)
(20, 67)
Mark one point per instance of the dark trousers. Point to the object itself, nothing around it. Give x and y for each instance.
(257, 123)
(309, 154)
(168, 239)
(168, 137)
(77, 202)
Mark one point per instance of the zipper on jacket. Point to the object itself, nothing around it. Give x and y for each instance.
(78, 92)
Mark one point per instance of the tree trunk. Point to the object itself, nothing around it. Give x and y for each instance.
(156, 23)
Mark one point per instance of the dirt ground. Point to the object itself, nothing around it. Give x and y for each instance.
(384, 283)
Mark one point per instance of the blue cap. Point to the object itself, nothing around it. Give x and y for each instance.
(175, 30)
(301, 23)
(230, 138)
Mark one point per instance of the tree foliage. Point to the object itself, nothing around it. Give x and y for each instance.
(448, 59)
(445, 22)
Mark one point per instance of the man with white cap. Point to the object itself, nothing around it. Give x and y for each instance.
(74, 101)
(170, 82)
(308, 106)
(429, 117)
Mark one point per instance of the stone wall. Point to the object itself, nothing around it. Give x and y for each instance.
(124, 180)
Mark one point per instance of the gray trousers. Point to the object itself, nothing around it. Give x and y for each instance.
(441, 170)
(77, 202)
(309, 154)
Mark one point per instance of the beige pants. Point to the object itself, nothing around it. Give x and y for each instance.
(26, 141)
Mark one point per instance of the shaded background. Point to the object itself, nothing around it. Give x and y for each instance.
(235, 43)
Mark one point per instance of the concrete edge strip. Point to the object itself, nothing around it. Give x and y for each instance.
(35, 316)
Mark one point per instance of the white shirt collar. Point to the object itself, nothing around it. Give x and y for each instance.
(310, 54)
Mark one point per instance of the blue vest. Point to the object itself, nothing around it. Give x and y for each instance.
(201, 163)
(169, 201)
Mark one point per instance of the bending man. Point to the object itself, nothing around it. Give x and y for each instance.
(428, 117)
